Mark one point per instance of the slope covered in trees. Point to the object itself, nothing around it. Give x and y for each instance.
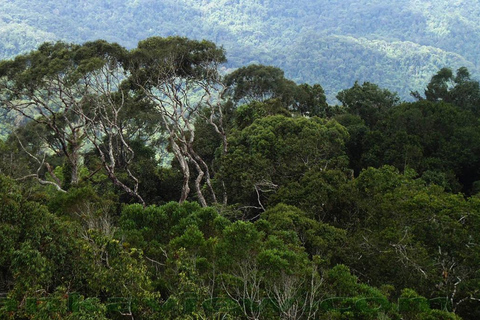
(397, 44)
(276, 205)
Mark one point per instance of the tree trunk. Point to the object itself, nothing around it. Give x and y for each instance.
(182, 161)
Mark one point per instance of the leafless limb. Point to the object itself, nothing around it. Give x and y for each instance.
(103, 123)
(36, 175)
(248, 292)
(264, 186)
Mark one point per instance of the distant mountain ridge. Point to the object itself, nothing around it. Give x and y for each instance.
(397, 44)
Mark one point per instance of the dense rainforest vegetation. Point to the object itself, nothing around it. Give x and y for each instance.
(143, 184)
(397, 44)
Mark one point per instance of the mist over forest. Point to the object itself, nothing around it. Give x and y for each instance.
(395, 44)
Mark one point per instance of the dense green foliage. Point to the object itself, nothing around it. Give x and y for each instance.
(143, 184)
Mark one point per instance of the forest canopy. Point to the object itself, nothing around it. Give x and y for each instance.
(145, 183)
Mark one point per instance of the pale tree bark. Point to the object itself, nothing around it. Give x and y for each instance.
(214, 117)
(77, 100)
(42, 163)
(178, 97)
(297, 296)
(247, 292)
(52, 105)
(104, 126)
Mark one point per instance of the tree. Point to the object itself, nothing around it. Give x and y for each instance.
(29, 139)
(466, 92)
(74, 93)
(177, 76)
(440, 85)
(259, 83)
(414, 236)
(458, 89)
(45, 258)
(277, 150)
(311, 101)
(267, 274)
(355, 145)
(319, 193)
(107, 109)
(318, 238)
(427, 136)
(37, 250)
(245, 115)
(43, 86)
(367, 101)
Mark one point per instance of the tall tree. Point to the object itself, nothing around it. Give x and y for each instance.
(258, 83)
(458, 89)
(43, 86)
(107, 111)
(311, 101)
(368, 101)
(72, 91)
(440, 85)
(178, 76)
(275, 151)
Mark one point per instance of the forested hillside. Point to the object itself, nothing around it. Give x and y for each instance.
(396, 44)
(143, 183)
